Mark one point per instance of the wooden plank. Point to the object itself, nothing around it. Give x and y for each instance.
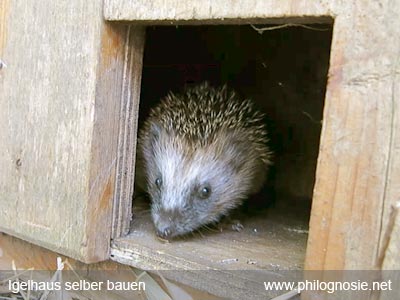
(357, 166)
(390, 240)
(4, 12)
(390, 256)
(128, 131)
(391, 217)
(391, 259)
(226, 263)
(26, 256)
(58, 124)
(103, 156)
(223, 11)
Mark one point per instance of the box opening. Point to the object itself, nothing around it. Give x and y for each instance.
(284, 71)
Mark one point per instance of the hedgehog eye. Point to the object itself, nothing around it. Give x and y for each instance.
(204, 192)
(158, 182)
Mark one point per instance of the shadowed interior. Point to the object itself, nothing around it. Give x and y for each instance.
(284, 71)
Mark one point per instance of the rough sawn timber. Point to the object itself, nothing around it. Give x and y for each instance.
(59, 106)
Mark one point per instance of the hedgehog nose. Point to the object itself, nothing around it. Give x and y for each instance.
(164, 232)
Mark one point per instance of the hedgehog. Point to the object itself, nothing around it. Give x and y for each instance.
(202, 153)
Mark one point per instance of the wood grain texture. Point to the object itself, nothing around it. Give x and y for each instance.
(26, 256)
(223, 11)
(58, 124)
(122, 212)
(392, 249)
(391, 260)
(390, 240)
(270, 247)
(4, 12)
(392, 191)
(103, 160)
(357, 166)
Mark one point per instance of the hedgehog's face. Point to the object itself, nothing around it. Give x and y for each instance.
(190, 187)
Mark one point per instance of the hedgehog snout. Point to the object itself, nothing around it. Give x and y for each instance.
(164, 232)
(164, 221)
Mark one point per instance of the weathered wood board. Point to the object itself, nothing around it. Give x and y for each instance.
(28, 256)
(122, 212)
(270, 246)
(357, 167)
(222, 11)
(59, 105)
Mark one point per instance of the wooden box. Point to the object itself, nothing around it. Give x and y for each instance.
(70, 86)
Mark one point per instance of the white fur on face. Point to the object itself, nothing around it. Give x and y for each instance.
(185, 170)
(183, 173)
(170, 162)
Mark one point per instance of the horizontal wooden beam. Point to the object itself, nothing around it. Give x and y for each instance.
(223, 11)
